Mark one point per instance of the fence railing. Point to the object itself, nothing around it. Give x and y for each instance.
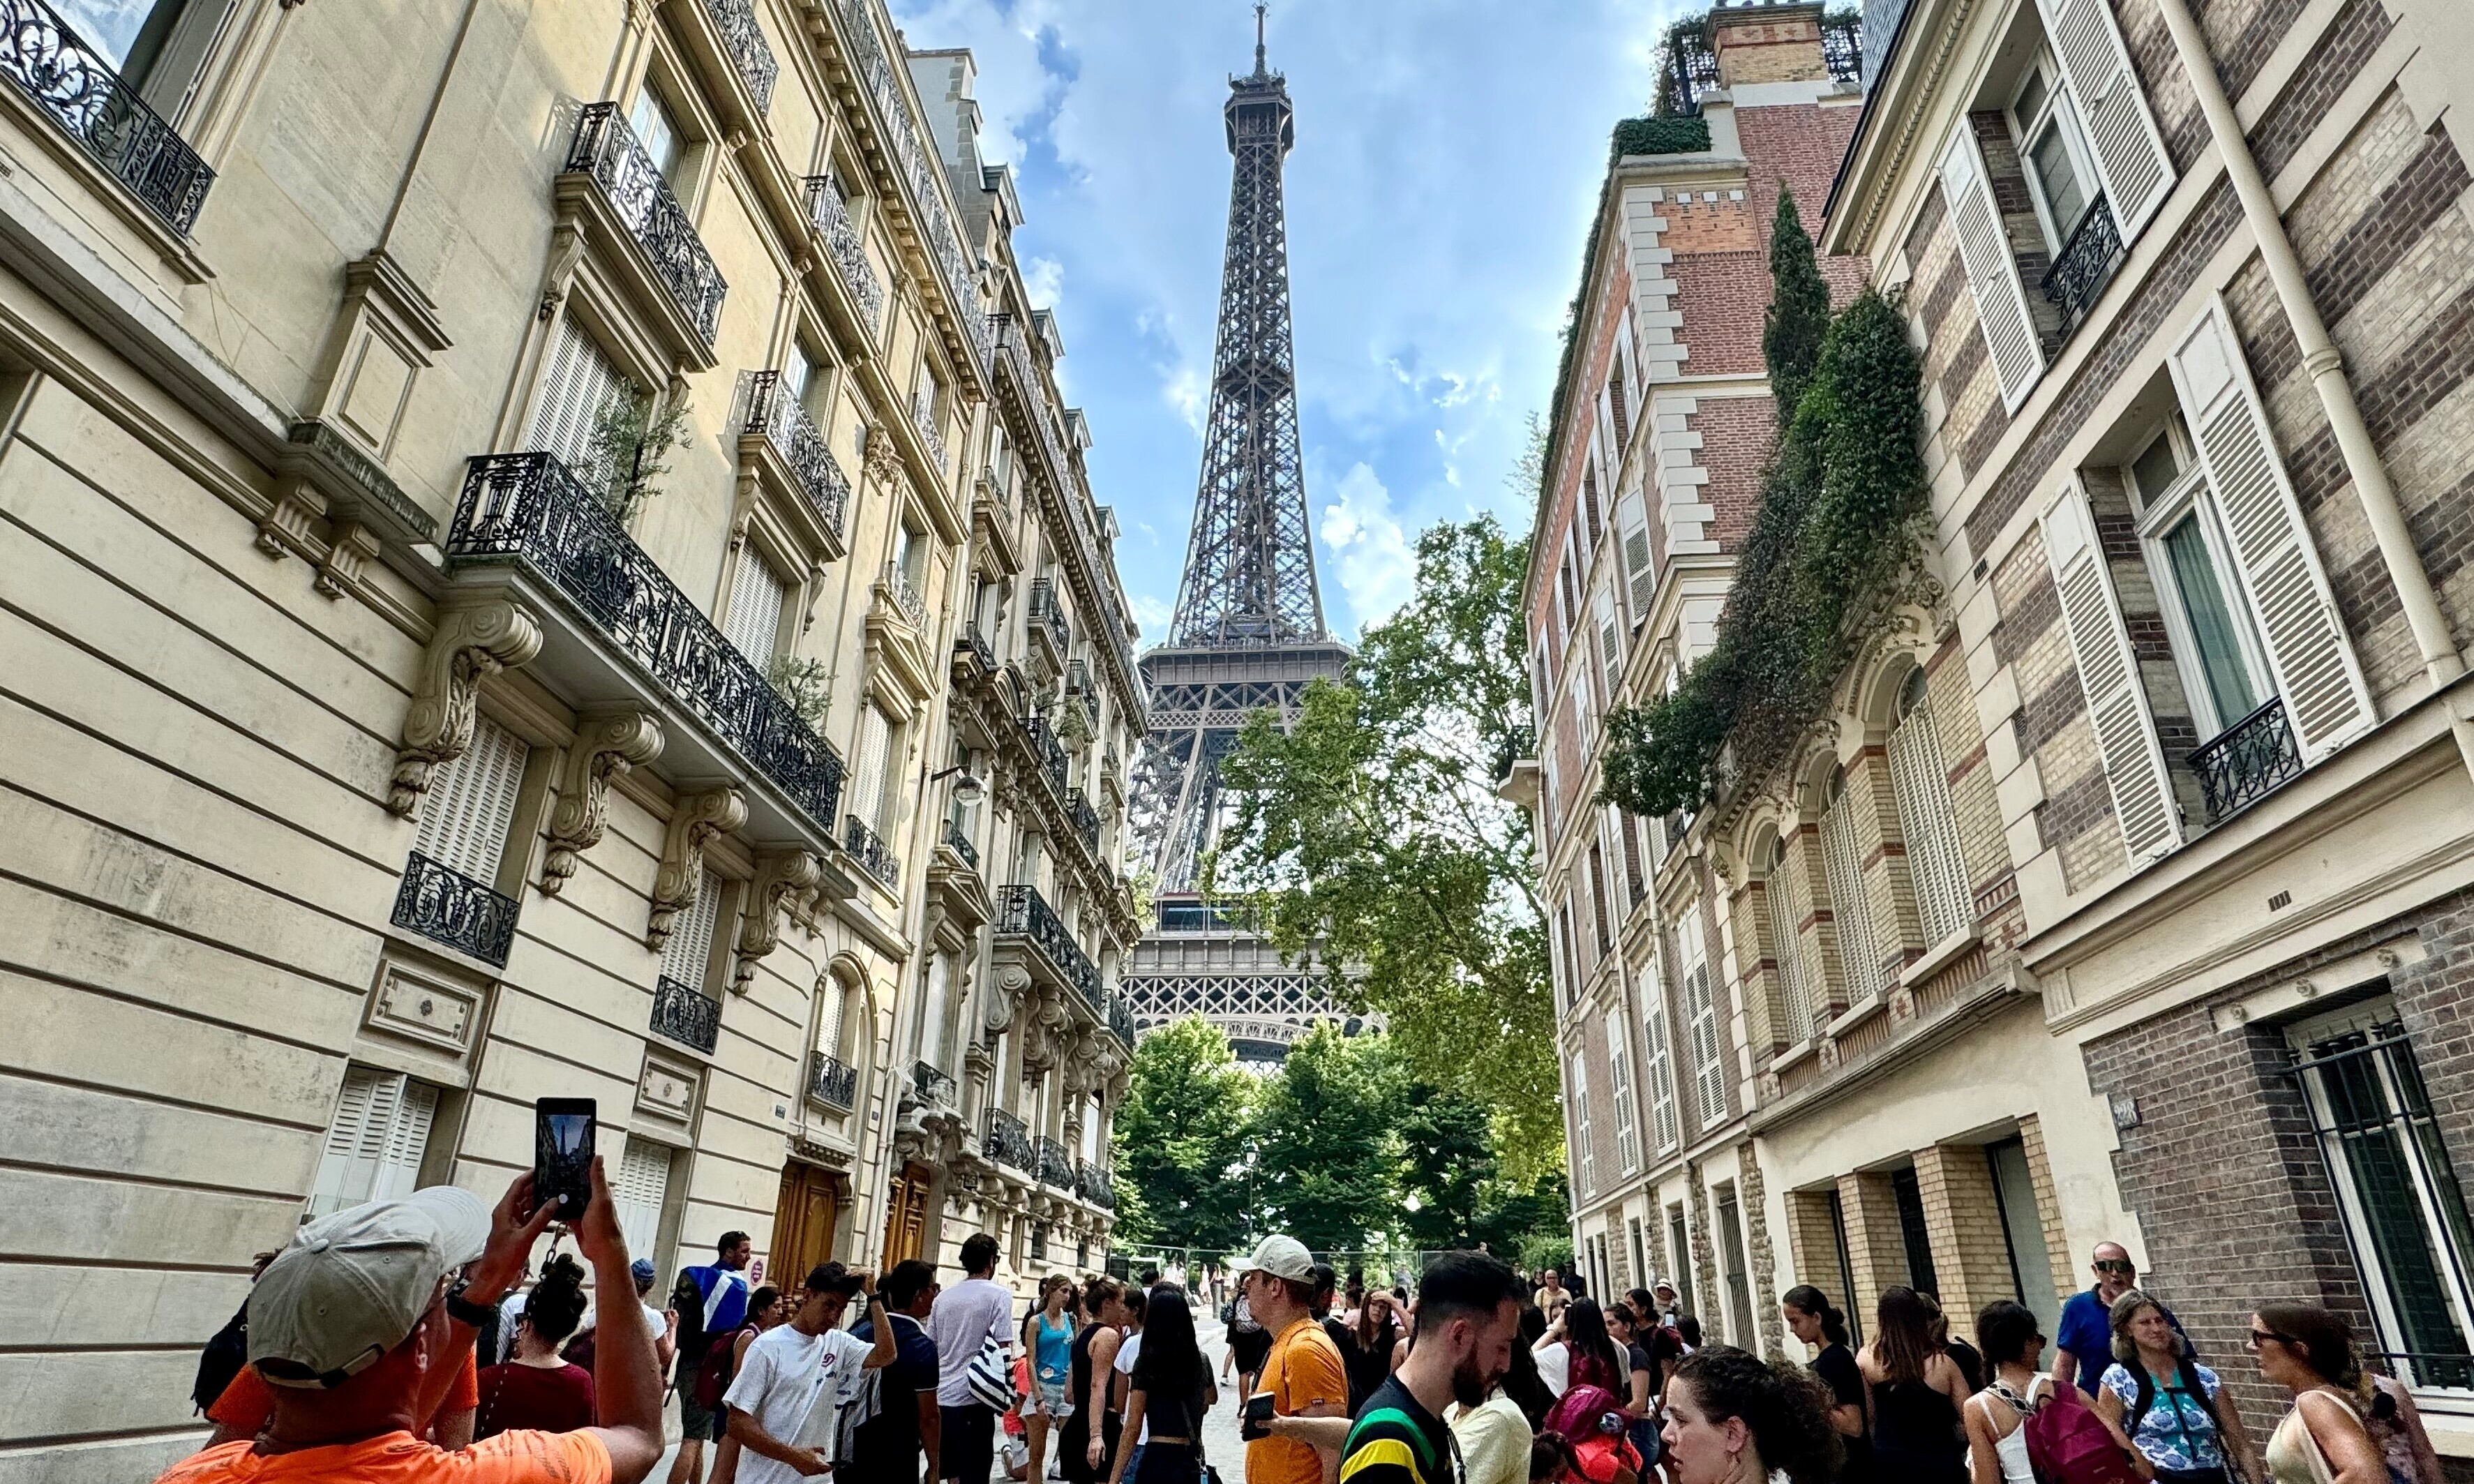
(688, 1016)
(2248, 760)
(771, 410)
(78, 88)
(607, 150)
(446, 906)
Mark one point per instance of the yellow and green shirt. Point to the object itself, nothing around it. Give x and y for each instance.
(1396, 1441)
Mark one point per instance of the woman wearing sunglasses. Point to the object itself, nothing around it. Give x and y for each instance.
(2309, 1352)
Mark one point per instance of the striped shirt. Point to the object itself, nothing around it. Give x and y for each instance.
(1396, 1441)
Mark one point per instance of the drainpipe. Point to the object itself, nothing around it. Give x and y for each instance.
(2440, 660)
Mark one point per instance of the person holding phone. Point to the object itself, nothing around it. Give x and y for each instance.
(1302, 1376)
(785, 1404)
(359, 1322)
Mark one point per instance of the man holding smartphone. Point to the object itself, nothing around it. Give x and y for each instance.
(1303, 1376)
(785, 1404)
(358, 1326)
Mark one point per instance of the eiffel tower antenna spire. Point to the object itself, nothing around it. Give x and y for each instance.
(1258, 39)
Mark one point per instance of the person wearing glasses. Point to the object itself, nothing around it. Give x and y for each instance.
(2309, 1352)
(2083, 1344)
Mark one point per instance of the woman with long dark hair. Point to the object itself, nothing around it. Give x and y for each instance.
(1913, 1391)
(1171, 1393)
(1088, 1440)
(1811, 1317)
(1592, 1357)
(1731, 1417)
(535, 1390)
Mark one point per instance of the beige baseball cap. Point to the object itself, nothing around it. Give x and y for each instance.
(352, 1286)
(1281, 1256)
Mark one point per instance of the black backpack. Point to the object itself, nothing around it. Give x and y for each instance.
(225, 1354)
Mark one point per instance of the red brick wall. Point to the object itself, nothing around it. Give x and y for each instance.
(1737, 435)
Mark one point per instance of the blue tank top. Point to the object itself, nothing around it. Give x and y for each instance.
(1056, 1348)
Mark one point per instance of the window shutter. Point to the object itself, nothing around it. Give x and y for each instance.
(755, 619)
(1930, 820)
(1583, 1150)
(829, 1027)
(1851, 911)
(472, 803)
(1657, 1065)
(2125, 737)
(1590, 505)
(868, 765)
(1633, 876)
(1709, 1074)
(2130, 159)
(1610, 650)
(1642, 581)
(408, 1137)
(1785, 911)
(374, 1144)
(1604, 923)
(344, 1136)
(643, 1186)
(1620, 1084)
(1992, 273)
(581, 381)
(689, 951)
(2324, 695)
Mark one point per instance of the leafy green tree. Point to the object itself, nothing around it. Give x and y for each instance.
(1799, 312)
(1326, 1142)
(1447, 1162)
(1180, 1139)
(1370, 841)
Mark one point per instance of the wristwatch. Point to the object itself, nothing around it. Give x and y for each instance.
(464, 1311)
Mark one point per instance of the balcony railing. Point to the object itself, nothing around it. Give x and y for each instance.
(959, 840)
(1055, 1165)
(446, 906)
(1095, 1185)
(2085, 264)
(2248, 760)
(1023, 913)
(906, 596)
(606, 149)
(688, 1016)
(976, 645)
(527, 508)
(832, 217)
(1048, 616)
(935, 1088)
(872, 853)
(1050, 752)
(749, 53)
(1009, 1142)
(771, 410)
(836, 1083)
(1086, 820)
(76, 86)
(1121, 1021)
(923, 417)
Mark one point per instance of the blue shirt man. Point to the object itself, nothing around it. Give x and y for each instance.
(2084, 1348)
(725, 1285)
(887, 1446)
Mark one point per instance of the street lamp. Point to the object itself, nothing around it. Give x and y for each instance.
(968, 788)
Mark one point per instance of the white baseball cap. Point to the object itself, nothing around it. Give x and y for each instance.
(1281, 1256)
(352, 1286)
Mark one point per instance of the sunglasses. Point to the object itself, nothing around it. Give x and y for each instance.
(2260, 1337)
(2115, 1265)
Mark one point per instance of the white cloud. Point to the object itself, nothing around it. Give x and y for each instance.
(1043, 278)
(1152, 614)
(1370, 552)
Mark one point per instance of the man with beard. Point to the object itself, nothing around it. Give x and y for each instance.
(1466, 1317)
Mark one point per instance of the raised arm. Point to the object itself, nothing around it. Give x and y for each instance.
(627, 1379)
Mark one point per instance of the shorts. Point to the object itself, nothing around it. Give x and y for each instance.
(698, 1425)
(1049, 1399)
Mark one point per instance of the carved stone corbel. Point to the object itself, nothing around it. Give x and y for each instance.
(882, 461)
(605, 747)
(695, 818)
(1012, 983)
(467, 646)
(349, 546)
(566, 253)
(779, 874)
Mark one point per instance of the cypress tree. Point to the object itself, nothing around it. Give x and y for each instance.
(1799, 312)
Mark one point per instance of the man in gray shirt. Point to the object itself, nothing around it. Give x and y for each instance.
(967, 1316)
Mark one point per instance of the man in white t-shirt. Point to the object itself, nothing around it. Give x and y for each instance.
(785, 1404)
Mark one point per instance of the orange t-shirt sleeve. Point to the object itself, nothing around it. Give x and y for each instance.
(522, 1458)
(244, 1405)
(466, 1394)
(1313, 1374)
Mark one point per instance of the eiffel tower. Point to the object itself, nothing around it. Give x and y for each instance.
(1248, 630)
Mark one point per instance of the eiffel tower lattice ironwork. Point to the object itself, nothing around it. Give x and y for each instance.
(1248, 629)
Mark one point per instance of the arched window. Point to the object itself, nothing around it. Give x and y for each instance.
(1786, 908)
(1920, 777)
(1859, 958)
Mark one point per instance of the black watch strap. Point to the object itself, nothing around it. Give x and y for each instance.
(464, 1311)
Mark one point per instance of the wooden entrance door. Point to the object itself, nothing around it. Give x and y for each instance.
(803, 1223)
(905, 1217)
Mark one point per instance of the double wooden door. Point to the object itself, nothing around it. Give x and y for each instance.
(906, 1216)
(803, 1223)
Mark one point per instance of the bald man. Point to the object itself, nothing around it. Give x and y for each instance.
(2084, 1347)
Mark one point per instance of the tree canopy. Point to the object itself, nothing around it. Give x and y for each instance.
(1182, 1139)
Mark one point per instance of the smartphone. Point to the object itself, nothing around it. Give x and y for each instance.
(563, 1131)
(1258, 1411)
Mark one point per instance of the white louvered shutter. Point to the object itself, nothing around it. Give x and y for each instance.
(1785, 906)
(2125, 737)
(868, 765)
(1930, 820)
(1657, 1065)
(688, 950)
(1619, 1085)
(1859, 957)
(642, 1185)
(829, 1027)
(2325, 699)
(2130, 159)
(1611, 645)
(472, 803)
(1584, 1148)
(407, 1138)
(1589, 507)
(581, 381)
(1708, 1072)
(362, 1087)
(1992, 273)
(755, 619)
(374, 1145)
(1631, 521)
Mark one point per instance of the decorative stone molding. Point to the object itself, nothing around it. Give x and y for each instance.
(605, 747)
(695, 818)
(882, 460)
(467, 646)
(779, 874)
(1012, 984)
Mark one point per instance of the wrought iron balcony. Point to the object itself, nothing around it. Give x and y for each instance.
(1009, 1142)
(976, 644)
(1121, 1021)
(2085, 264)
(832, 218)
(923, 418)
(526, 508)
(75, 85)
(906, 596)
(1055, 1165)
(836, 1083)
(2248, 760)
(771, 410)
(446, 906)
(936, 1089)
(871, 853)
(688, 1016)
(1048, 616)
(1095, 1185)
(1086, 820)
(1023, 913)
(749, 53)
(606, 149)
(1013, 343)
(1050, 752)
(959, 840)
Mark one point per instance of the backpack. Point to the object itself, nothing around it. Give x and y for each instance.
(2067, 1443)
(714, 1376)
(225, 1354)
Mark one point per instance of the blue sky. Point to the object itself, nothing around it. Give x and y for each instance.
(1448, 155)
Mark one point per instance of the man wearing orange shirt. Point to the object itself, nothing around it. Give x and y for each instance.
(1304, 1375)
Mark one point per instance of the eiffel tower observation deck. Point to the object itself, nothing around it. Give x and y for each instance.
(1248, 630)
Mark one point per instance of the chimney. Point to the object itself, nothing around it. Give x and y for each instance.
(1767, 43)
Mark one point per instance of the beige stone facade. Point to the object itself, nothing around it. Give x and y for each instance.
(2119, 893)
(388, 745)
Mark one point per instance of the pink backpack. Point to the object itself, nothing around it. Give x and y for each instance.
(2067, 1443)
